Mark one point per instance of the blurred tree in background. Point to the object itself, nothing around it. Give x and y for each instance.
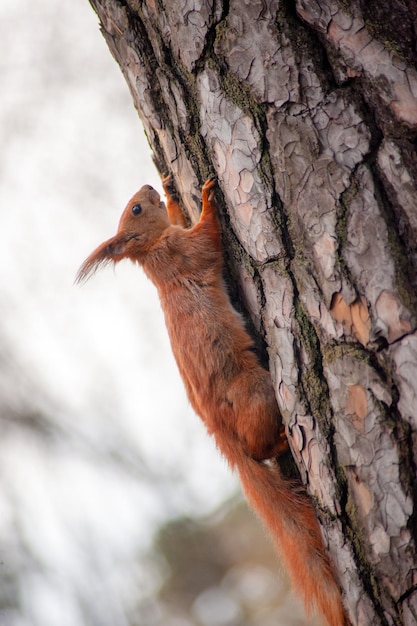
(220, 570)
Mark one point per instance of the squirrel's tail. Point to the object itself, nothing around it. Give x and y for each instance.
(289, 516)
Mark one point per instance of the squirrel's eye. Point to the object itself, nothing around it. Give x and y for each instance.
(136, 209)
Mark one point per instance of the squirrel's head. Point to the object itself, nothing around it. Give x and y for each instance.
(142, 223)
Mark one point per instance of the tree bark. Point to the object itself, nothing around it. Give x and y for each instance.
(307, 113)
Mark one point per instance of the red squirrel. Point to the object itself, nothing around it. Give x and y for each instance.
(226, 385)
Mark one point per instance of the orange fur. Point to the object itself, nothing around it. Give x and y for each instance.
(225, 383)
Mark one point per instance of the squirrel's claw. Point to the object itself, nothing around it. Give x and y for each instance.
(168, 185)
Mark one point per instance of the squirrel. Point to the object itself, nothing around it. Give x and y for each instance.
(225, 383)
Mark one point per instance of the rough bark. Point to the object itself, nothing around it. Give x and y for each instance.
(307, 113)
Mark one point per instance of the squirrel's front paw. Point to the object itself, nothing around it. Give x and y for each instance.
(168, 185)
(208, 186)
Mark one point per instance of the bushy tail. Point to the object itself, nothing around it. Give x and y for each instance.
(289, 516)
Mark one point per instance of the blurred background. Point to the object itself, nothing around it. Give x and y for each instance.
(115, 507)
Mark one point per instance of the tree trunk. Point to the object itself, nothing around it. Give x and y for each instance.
(307, 114)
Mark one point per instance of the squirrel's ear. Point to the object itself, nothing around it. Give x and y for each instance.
(110, 251)
(116, 247)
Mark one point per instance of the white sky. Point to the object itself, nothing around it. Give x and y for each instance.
(95, 357)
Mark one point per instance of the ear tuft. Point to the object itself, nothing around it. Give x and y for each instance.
(110, 251)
